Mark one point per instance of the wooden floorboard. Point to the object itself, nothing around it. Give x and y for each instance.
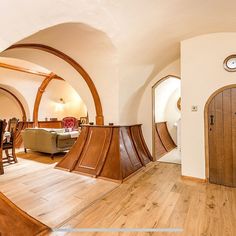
(159, 198)
(50, 195)
(156, 197)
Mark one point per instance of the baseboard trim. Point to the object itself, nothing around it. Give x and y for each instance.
(199, 180)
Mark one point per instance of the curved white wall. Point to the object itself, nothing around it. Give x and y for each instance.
(9, 107)
(167, 94)
(173, 114)
(202, 73)
(51, 107)
(24, 86)
(163, 93)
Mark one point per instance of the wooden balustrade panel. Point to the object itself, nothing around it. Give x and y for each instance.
(165, 136)
(95, 151)
(112, 165)
(72, 157)
(140, 145)
(129, 157)
(14, 221)
(159, 146)
(112, 152)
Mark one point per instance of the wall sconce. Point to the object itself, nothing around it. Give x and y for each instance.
(60, 105)
(62, 101)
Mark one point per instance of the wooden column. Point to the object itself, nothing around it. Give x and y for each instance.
(111, 152)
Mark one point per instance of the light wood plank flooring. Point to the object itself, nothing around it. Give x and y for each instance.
(154, 197)
(50, 195)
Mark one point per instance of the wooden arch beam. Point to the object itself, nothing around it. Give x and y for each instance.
(18, 101)
(22, 69)
(39, 95)
(77, 67)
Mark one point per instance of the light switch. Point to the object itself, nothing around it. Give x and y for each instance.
(194, 108)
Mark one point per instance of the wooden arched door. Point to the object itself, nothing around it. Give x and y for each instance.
(221, 116)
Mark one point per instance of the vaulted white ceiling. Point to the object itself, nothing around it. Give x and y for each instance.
(122, 44)
(142, 31)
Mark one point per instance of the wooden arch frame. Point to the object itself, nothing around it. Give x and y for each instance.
(18, 101)
(153, 106)
(39, 95)
(77, 67)
(206, 127)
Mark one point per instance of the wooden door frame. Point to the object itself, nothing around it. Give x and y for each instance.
(206, 126)
(153, 107)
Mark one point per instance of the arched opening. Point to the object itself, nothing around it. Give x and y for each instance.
(167, 119)
(220, 136)
(77, 67)
(80, 54)
(64, 65)
(9, 99)
(60, 100)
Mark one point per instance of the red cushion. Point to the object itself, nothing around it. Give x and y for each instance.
(69, 122)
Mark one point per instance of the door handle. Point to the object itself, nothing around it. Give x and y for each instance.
(211, 120)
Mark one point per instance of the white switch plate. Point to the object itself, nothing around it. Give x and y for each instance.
(194, 108)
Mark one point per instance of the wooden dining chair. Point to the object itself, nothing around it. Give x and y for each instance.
(9, 143)
(3, 125)
(13, 125)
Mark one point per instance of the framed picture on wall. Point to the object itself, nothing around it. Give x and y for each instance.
(83, 120)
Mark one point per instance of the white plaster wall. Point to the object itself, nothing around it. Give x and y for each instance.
(163, 93)
(132, 79)
(51, 107)
(202, 73)
(9, 107)
(144, 114)
(172, 113)
(23, 85)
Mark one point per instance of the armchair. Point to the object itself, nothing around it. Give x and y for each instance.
(70, 122)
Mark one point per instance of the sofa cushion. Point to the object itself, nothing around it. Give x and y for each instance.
(64, 140)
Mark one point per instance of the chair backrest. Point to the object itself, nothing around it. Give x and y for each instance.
(3, 125)
(13, 124)
(70, 122)
(2, 129)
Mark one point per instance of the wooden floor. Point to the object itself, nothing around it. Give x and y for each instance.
(155, 197)
(50, 195)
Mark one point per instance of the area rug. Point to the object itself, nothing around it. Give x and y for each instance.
(40, 157)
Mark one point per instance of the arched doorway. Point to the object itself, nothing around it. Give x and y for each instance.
(22, 109)
(220, 136)
(166, 119)
(77, 67)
